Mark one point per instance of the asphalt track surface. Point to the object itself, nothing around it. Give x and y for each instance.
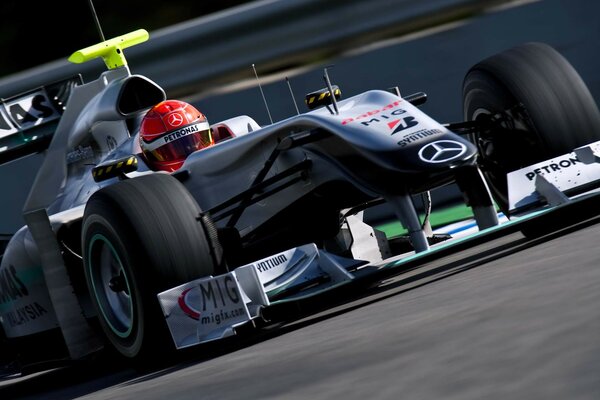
(510, 318)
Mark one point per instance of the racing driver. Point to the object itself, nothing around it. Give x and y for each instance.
(170, 131)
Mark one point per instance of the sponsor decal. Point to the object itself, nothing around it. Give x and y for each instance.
(211, 308)
(402, 124)
(273, 267)
(372, 113)
(11, 287)
(80, 153)
(25, 314)
(265, 265)
(175, 119)
(185, 131)
(6, 127)
(188, 130)
(216, 318)
(186, 305)
(576, 169)
(390, 118)
(211, 294)
(441, 151)
(418, 135)
(394, 124)
(552, 167)
(24, 112)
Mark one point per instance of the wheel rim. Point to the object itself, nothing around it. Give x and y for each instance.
(490, 171)
(503, 157)
(110, 286)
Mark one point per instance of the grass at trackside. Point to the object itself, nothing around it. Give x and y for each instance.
(438, 218)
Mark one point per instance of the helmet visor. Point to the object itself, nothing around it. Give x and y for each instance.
(178, 144)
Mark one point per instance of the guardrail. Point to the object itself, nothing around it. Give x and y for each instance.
(198, 54)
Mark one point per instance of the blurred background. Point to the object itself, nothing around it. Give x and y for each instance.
(33, 33)
(200, 50)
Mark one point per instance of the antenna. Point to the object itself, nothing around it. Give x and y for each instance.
(90, 2)
(263, 95)
(292, 93)
(110, 50)
(328, 82)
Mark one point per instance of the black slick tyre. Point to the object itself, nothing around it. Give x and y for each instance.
(536, 107)
(142, 236)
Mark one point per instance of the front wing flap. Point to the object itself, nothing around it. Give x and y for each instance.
(212, 308)
(556, 180)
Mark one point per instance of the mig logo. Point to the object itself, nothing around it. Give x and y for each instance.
(395, 120)
(211, 294)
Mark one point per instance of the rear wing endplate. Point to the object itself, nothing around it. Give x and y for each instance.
(28, 120)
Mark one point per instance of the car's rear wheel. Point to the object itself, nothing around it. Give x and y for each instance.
(140, 237)
(535, 105)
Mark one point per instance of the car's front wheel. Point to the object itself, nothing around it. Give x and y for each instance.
(535, 106)
(142, 236)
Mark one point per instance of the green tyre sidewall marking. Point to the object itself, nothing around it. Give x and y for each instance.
(93, 274)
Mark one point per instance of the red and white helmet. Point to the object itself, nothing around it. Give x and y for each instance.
(170, 131)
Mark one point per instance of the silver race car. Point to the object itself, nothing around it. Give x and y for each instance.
(117, 256)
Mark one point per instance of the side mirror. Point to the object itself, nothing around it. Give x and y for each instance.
(112, 168)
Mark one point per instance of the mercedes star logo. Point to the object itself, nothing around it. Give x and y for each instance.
(175, 119)
(442, 151)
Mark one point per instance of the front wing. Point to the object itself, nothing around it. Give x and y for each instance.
(212, 308)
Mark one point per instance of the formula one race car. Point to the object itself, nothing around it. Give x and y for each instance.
(116, 255)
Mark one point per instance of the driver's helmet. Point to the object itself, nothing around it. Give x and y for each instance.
(170, 131)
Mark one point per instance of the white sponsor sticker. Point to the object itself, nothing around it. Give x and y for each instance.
(566, 172)
(210, 308)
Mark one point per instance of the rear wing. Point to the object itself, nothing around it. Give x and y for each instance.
(28, 120)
